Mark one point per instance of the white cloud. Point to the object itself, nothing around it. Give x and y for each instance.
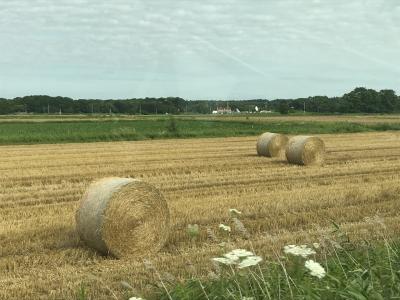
(274, 47)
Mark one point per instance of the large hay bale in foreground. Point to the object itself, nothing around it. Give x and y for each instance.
(305, 150)
(123, 217)
(271, 144)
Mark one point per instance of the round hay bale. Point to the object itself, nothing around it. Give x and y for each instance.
(305, 150)
(271, 144)
(123, 217)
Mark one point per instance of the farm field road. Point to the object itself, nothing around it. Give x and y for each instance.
(41, 256)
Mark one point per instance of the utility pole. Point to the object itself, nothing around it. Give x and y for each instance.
(60, 111)
(92, 109)
(156, 107)
(48, 108)
(140, 108)
(304, 107)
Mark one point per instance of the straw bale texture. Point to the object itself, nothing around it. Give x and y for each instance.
(305, 150)
(271, 144)
(123, 217)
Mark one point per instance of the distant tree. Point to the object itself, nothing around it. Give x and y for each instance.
(362, 100)
(388, 100)
(353, 102)
(283, 108)
(359, 100)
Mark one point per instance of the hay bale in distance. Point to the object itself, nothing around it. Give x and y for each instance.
(123, 217)
(271, 144)
(305, 150)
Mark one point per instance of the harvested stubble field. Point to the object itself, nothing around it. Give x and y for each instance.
(352, 118)
(41, 257)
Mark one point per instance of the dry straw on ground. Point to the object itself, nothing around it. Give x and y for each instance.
(123, 217)
(271, 144)
(305, 150)
(41, 184)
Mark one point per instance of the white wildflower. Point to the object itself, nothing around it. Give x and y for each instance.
(315, 269)
(249, 261)
(316, 245)
(235, 211)
(225, 227)
(240, 257)
(240, 253)
(302, 250)
(231, 256)
(135, 298)
(225, 260)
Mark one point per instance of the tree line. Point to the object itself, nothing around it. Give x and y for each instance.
(360, 100)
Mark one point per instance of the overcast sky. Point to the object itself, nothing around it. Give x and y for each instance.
(202, 49)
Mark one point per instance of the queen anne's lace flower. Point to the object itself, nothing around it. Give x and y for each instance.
(302, 250)
(231, 256)
(240, 257)
(225, 260)
(315, 269)
(249, 261)
(225, 227)
(241, 253)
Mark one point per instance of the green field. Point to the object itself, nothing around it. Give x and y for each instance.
(30, 131)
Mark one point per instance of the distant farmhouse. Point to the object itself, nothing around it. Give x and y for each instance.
(222, 111)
